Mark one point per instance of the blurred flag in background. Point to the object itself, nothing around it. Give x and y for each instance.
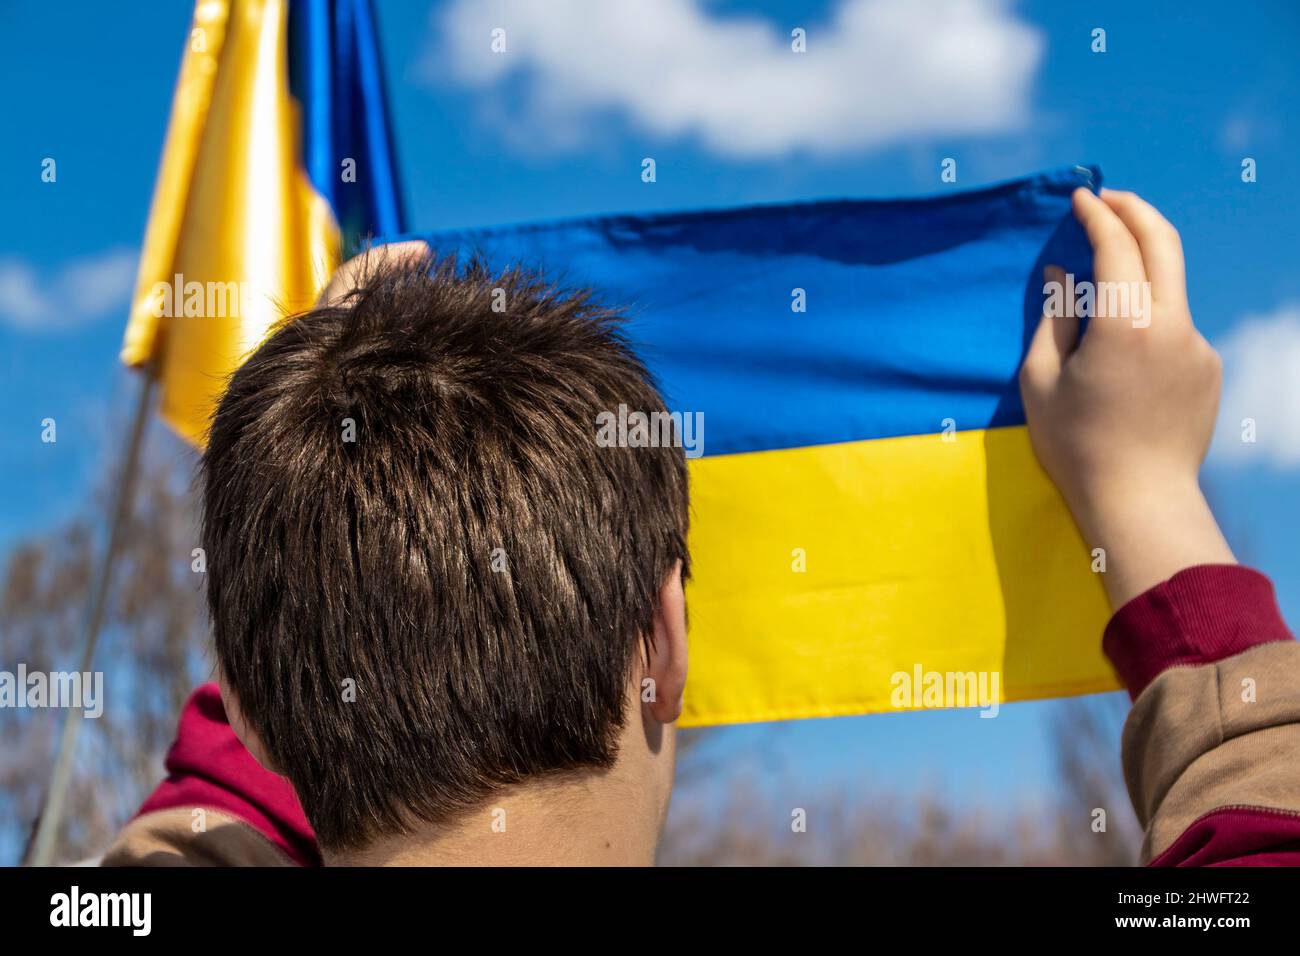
(277, 163)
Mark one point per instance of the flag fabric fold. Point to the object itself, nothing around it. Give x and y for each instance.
(870, 528)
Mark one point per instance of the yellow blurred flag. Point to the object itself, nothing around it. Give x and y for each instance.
(276, 149)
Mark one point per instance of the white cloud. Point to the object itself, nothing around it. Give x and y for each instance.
(880, 72)
(1236, 133)
(1246, 129)
(83, 290)
(1261, 362)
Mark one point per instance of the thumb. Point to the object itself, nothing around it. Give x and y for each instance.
(1056, 336)
(356, 270)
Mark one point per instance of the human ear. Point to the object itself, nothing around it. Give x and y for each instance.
(668, 651)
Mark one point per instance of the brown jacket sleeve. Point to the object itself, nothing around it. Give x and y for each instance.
(1211, 747)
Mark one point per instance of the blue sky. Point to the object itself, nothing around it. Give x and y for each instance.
(1180, 96)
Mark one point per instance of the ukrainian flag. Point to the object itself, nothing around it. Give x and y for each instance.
(277, 164)
(867, 504)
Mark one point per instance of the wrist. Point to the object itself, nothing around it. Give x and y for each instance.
(1149, 529)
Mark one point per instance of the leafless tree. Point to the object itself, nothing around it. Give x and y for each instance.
(742, 824)
(151, 653)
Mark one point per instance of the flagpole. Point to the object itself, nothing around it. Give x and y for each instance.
(47, 833)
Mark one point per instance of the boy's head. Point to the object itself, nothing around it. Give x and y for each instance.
(427, 581)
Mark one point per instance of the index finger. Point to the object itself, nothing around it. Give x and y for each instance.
(1162, 250)
(1115, 253)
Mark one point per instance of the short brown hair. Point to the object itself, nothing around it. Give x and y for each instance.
(472, 559)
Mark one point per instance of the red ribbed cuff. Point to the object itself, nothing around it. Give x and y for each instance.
(1237, 836)
(1202, 614)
